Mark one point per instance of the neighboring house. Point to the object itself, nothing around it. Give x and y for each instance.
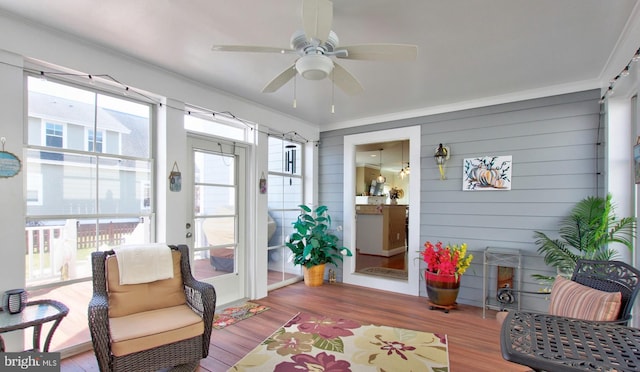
(69, 124)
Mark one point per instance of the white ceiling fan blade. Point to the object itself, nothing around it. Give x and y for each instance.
(345, 81)
(317, 17)
(379, 52)
(250, 48)
(281, 79)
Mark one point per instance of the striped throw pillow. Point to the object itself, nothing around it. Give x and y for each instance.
(574, 300)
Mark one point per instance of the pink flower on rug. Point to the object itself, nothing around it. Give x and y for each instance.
(324, 326)
(287, 343)
(394, 347)
(321, 362)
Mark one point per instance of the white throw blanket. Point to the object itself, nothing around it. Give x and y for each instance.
(144, 263)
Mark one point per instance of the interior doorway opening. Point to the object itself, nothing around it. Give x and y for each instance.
(372, 141)
(382, 208)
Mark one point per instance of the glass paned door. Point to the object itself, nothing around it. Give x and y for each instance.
(285, 194)
(218, 217)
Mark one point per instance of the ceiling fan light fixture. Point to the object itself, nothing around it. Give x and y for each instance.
(314, 67)
(318, 48)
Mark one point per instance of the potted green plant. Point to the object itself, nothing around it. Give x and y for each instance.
(313, 243)
(585, 233)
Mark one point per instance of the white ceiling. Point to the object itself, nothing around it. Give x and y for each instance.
(468, 50)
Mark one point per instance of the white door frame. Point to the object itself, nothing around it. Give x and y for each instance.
(410, 286)
(230, 287)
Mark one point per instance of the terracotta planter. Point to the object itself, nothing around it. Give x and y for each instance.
(314, 276)
(442, 289)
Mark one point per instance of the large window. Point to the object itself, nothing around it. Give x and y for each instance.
(285, 194)
(88, 176)
(220, 125)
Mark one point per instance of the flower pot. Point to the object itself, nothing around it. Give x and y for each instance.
(442, 289)
(313, 276)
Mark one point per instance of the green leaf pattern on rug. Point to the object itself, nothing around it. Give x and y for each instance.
(332, 344)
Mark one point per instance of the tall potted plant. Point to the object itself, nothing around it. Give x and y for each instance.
(585, 233)
(314, 245)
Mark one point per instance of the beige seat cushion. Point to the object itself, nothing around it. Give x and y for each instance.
(134, 298)
(575, 300)
(501, 316)
(146, 330)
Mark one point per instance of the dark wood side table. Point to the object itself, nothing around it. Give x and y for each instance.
(552, 343)
(35, 314)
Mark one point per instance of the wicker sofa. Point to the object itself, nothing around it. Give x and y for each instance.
(150, 326)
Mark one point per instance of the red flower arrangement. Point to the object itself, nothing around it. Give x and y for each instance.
(446, 260)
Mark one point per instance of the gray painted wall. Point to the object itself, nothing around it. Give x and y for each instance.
(556, 161)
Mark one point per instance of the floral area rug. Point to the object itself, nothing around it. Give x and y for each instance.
(235, 314)
(311, 343)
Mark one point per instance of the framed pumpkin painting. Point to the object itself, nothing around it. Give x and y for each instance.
(487, 173)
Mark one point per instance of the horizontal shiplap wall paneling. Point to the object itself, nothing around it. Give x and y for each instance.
(555, 161)
(331, 181)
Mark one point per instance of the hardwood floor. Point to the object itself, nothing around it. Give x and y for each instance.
(364, 261)
(474, 342)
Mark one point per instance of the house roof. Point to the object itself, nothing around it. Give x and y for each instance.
(71, 111)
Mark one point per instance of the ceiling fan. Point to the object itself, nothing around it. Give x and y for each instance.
(317, 43)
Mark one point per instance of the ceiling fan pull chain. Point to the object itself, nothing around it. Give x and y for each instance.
(333, 90)
(295, 103)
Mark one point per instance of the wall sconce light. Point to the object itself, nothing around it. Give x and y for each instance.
(442, 154)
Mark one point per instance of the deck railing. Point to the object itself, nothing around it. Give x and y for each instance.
(62, 252)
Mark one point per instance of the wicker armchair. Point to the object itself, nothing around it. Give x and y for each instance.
(607, 276)
(183, 354)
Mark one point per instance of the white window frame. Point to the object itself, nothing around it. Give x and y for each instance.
(87, 135)
(44, 135)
